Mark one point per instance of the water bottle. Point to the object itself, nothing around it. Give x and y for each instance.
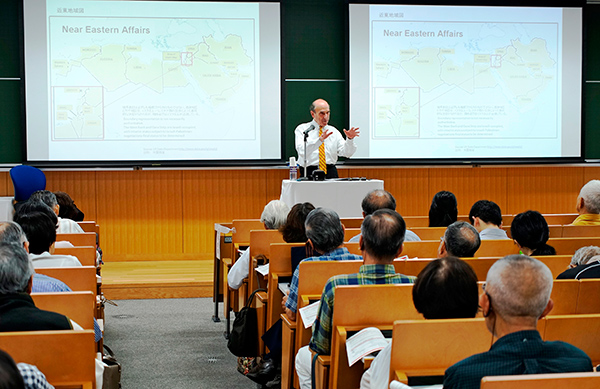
(293, 169)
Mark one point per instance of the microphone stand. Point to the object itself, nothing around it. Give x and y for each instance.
(305, 156)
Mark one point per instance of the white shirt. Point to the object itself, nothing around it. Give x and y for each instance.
(378, 375)
(493, 233)
(239, 270)
(45, 259)
(335, 145)
(68, 226)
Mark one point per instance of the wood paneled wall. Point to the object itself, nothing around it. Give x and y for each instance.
(169, 214)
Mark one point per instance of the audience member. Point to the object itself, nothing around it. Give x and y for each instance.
(443, 210)
(11, 232)
(41, 234)
(382, 240)
(17, 310)
(588, 204)
(65, 226)
(530, 232)
(516, 295)
(585, 263)
(460, 240)
(325, 235)
(445, 289)
(293, 231)
(67, 208)
(381, 199)
(273, 217)
(486, 217)
(33, 377)
(10, 376)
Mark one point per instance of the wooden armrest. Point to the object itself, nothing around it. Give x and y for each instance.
(401, 377)
(324, 360)
(262, 297)
(287, 322)
(367, 361)
(227, 261)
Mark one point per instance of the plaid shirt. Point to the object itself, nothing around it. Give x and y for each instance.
(367, 275)
(33, 377)
(339, 254)
(521, 352)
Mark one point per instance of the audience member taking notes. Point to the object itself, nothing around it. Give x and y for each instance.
(381, 241)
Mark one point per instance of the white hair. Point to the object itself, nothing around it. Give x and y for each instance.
(275, 214)
(590, 193)
(584, 255)
(519, 286)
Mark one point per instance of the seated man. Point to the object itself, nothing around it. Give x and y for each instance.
(17, 310)
(274, 216)
(381, 199)
(516, 294)
(585, 263)
(381, 241)
(41, 234)
(445, 289)
(65, 226)
(325, 234)
(460, 240)
(486, 217)
(588, 205)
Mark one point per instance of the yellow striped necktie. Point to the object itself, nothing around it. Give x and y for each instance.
(322, 161)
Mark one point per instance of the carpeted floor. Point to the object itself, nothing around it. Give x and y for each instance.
(171, 343)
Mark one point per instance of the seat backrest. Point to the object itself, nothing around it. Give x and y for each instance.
(360, 306)
(578, 330)
(77, 306)
(543, 381)
(78, 239)
(78, 278)
(580, 231)
(568, 246)
(564, 294)
(85, 254)
(429, 347)
(352, 222)
(243, 228)
(587, 300)
(26, 180)
(63, 356)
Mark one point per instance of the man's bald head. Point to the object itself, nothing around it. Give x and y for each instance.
(519, 287)
(378, 199)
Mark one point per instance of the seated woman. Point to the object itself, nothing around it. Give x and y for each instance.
(585, 263)
(445, 289)
(443, 210)
(530, 232)
(293, 230)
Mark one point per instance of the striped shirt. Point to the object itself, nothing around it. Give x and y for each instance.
(367, 275)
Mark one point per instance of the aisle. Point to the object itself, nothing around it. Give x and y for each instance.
(171, 343)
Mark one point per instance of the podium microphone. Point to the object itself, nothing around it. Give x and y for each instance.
(309, 129)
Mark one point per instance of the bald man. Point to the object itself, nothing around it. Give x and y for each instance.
(321, 133)
(515, 296)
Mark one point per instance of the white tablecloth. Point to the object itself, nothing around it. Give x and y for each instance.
(344, 197)
(6, 209)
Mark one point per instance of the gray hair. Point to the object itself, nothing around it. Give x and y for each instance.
(46, 197)
(11, 232)
(324, 229)
(519, 286)
(590, 193)
(462, 239)
(584, 255)
(15, 268)
(275, 214)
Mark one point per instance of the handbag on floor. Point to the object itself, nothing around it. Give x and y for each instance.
(111, 378)
(243, 340)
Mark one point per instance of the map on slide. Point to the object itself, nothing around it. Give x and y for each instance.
(459, 79)
(152, 78)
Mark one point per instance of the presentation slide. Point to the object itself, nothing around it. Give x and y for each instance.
(152, 80)
(464, 82)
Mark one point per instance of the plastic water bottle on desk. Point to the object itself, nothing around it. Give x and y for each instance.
(293, 169)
